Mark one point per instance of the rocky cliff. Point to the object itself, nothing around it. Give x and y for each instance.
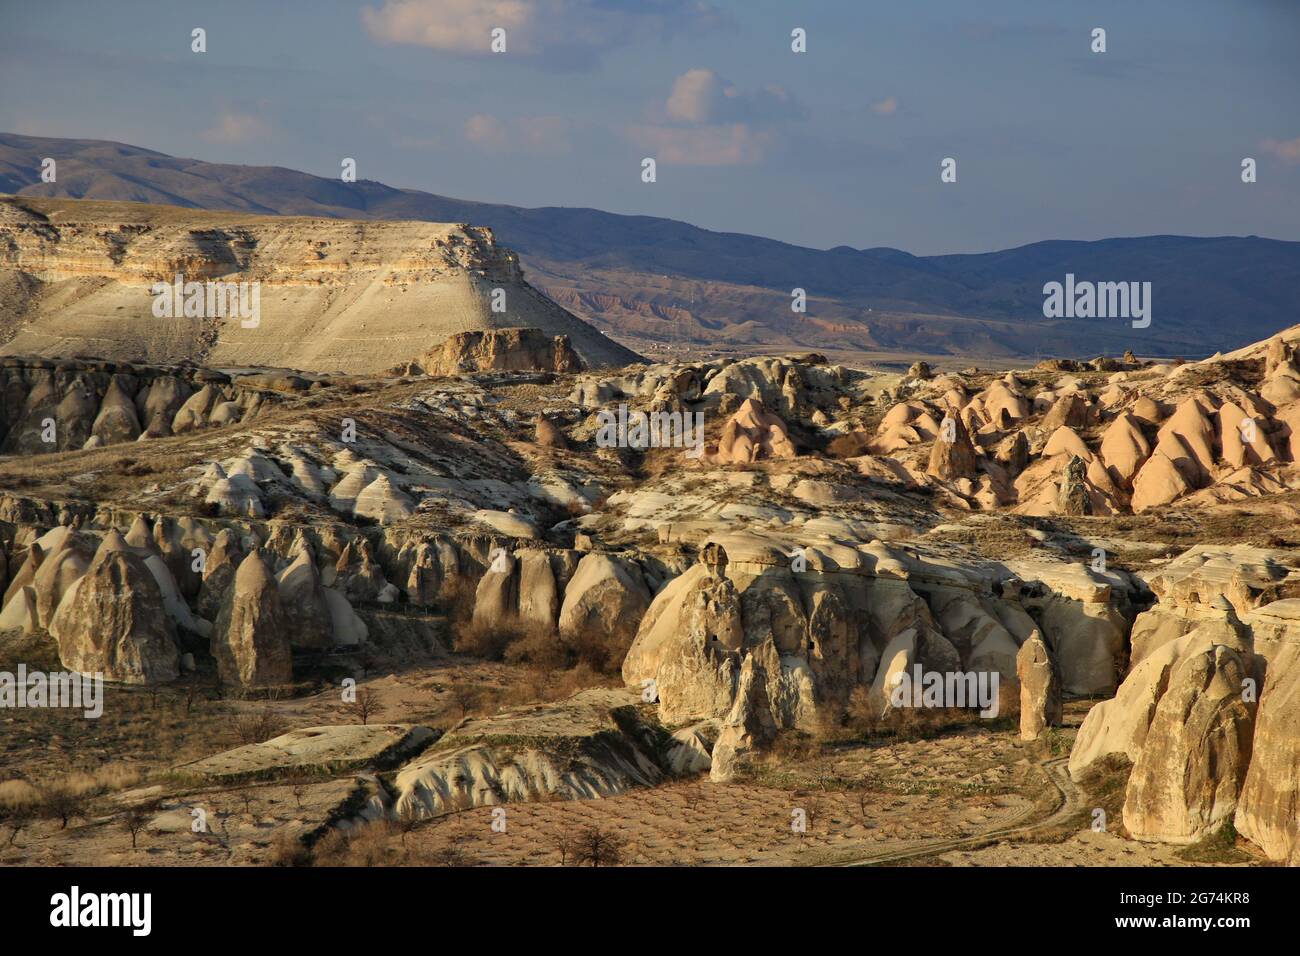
(78, 277)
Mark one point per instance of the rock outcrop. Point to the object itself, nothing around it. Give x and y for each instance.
(502, 350)
(1188, 775)
(753, 433)
(112, 621)
(251, 637)
(1268, 809)
(604, 602)
(1040, 688)
(368, 294)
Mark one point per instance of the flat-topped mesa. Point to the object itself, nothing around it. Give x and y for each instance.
(328, 294)
(502, 350)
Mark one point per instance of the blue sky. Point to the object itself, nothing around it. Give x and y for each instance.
(840, 145)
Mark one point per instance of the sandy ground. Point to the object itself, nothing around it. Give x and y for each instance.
(974, 796)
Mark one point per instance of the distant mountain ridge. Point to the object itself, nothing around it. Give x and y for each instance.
(652, 280)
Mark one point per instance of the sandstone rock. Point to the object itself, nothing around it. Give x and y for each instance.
(1124, 448)
(753, 433)
(1069, 411)
(219, 572)
(953, 455)
(1066, 441)
(357, 574)
(250, 640)
(1188, 776)
(547, 434)
(307, 621)
(116, 421)
(112, 621)
(496, 600)
(1120, 725)
(748, 726)
(1268, 811)
(1040, 688)
(383, 501)
(1187, 439)
(1158, 482)
(605, 601)
(539, 592)
(19, 612)
(55, 576)
(502, 350)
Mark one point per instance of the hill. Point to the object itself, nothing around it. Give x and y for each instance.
(658, 282)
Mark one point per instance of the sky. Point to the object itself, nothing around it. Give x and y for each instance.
(839, 145)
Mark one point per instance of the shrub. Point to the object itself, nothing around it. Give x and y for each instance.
(596, 847)
(258, 727)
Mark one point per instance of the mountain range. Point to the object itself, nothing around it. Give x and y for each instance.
(661, 284)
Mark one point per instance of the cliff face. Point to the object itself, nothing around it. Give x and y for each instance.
(78, 277)
(506, 350)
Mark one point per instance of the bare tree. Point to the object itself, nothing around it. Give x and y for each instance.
(366, 705)
(692, 796)
(407, 820)
(16, 816)
(453, 853)
(136, 819)
(62, 804)
(466, 697)
(597, 847)
(864, 806)
(563, 842)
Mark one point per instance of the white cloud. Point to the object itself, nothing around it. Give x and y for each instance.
(528, 134)
(693, 96)
(1287, 149)
(235, 127)
(486, 132)
(702, 96)
(733, 145)
(712, 122)
(462, 26)
(567, 33)
(545, 134)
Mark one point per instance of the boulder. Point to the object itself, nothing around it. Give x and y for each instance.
(307, 620)
(953, 455)
(753, 433)
(1040, 688)
(251, 637)
(1188, 776)
(502, 350)
(112, 621)
(1268, 811)
(117, 420)
(605, 600)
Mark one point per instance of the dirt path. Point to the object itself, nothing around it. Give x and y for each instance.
(1070, 803)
